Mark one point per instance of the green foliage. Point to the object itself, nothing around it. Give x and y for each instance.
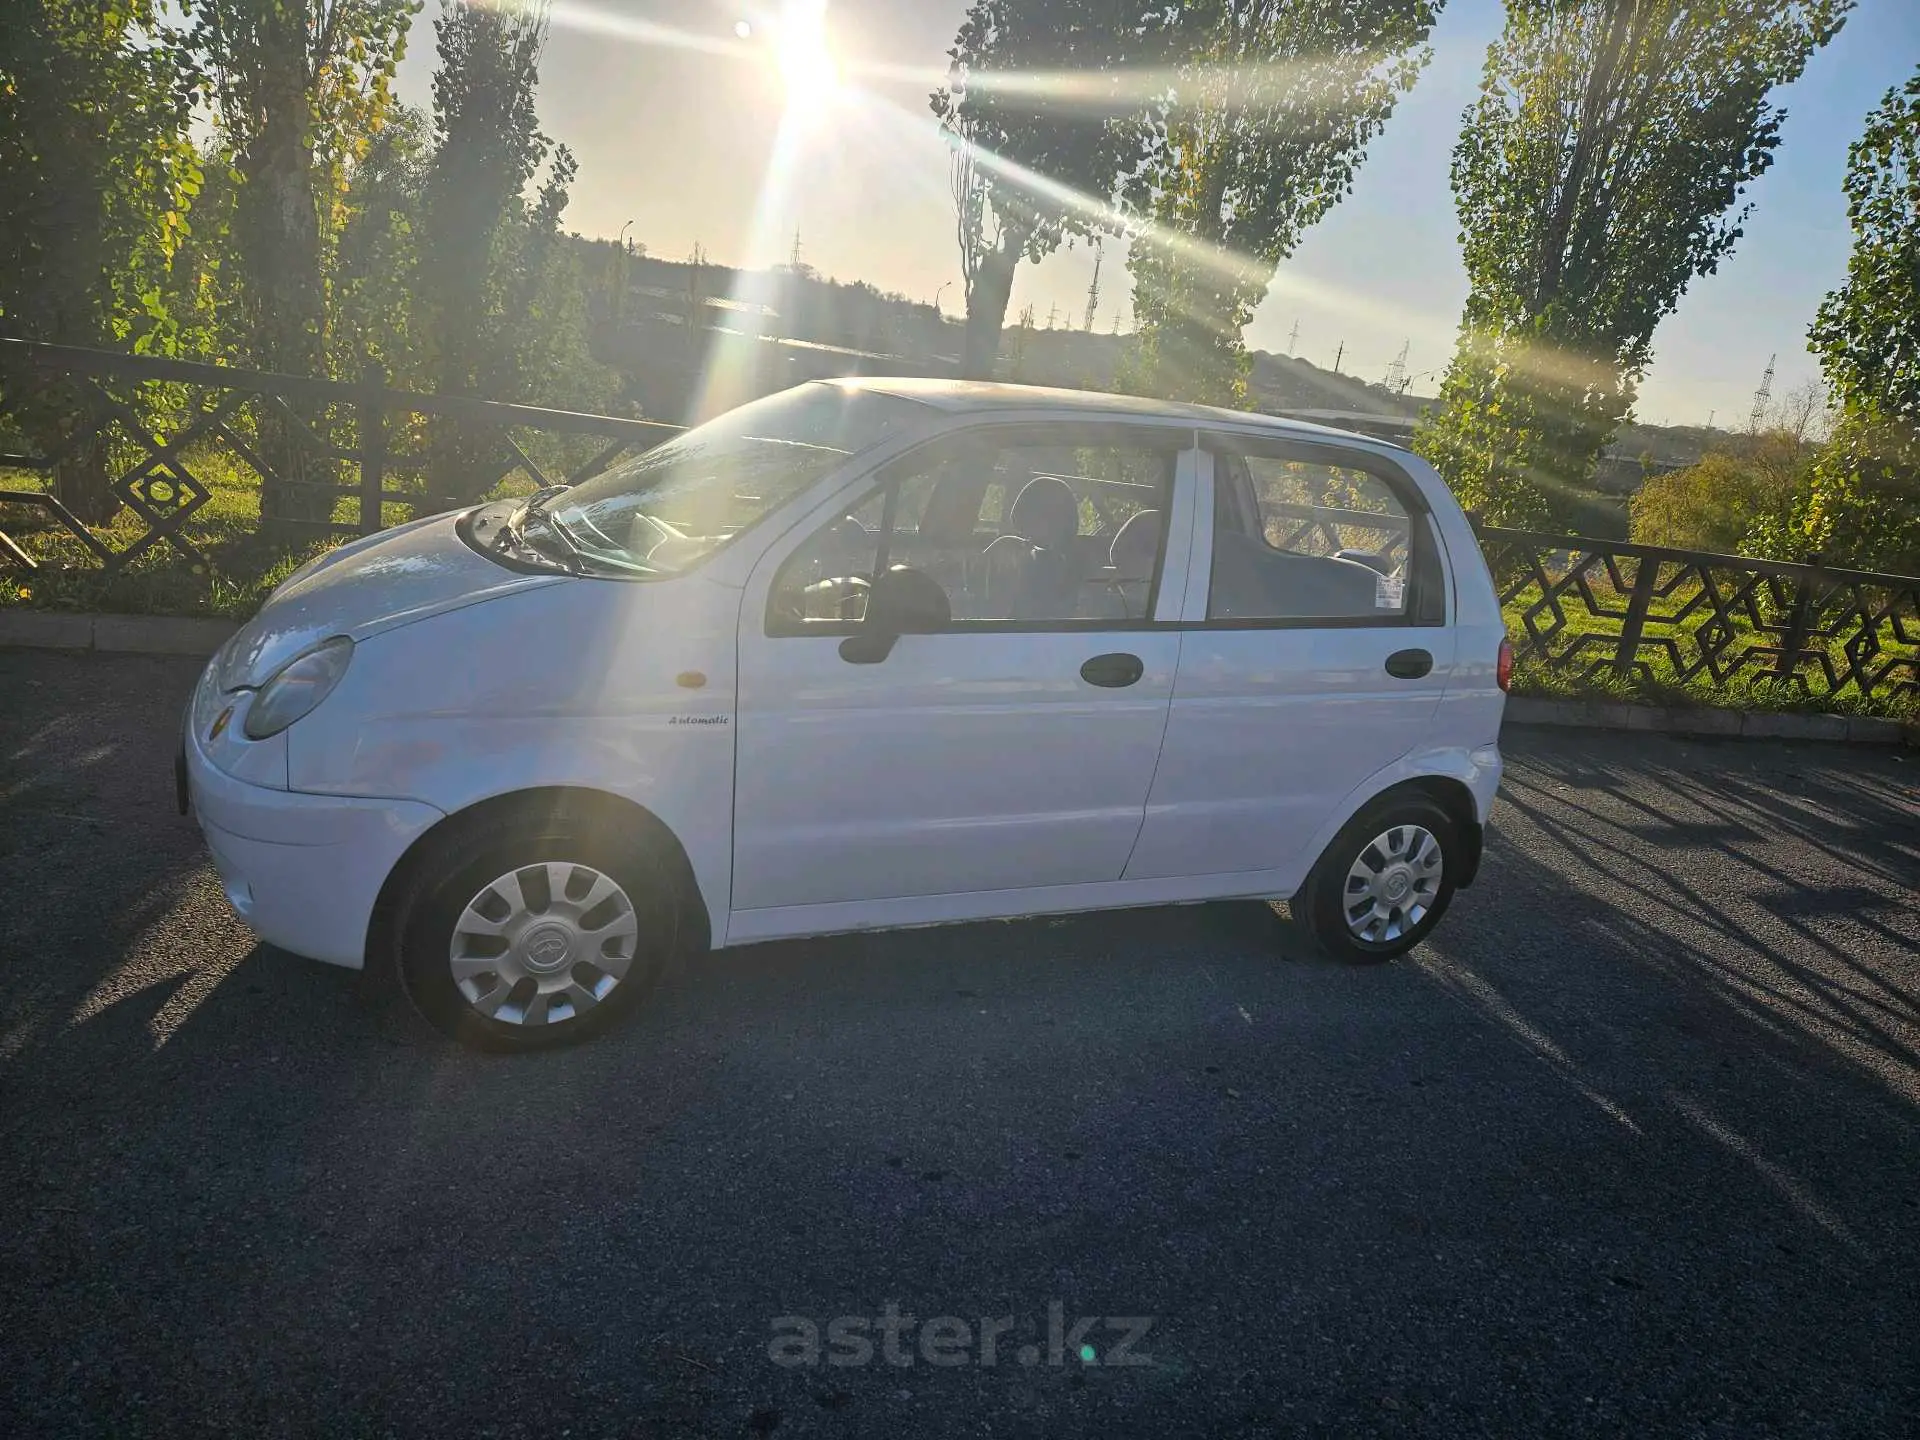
(1272, 106)
(501, 300)
(300, 88)
(1726, 502)
(376, 309)
(1595, 176)
(95, 172)
(1037, 109)
(1862, 509)
(1867, 333)
(1863, 506)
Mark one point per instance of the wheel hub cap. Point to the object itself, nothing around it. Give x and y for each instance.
(543, 944)
(1392, 884)
(547, 947)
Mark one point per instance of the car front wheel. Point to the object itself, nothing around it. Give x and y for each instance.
(530, 932)
(1384, 882)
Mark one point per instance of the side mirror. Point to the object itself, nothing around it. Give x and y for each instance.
(903, 601)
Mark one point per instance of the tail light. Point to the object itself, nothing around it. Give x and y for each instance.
(1505, 672)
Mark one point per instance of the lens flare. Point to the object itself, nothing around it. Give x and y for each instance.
(807, 66)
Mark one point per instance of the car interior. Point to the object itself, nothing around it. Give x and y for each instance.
(1009, 537)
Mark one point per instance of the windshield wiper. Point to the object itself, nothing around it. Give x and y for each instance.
(573, 557)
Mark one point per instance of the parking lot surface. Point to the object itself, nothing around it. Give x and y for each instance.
(1633, 1146)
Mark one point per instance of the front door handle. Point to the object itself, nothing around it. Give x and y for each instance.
(1114, 671)
(1409, 664)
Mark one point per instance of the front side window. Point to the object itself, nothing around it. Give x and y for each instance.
(665, 510)
(1016, 527)
(1302, 540)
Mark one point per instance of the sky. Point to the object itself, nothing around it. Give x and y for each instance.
(684, 128)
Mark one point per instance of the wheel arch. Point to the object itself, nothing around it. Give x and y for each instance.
(1451, 792)
(1453, 796)
(695, 924)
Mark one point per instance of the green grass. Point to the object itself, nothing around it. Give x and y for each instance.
(1658, 683)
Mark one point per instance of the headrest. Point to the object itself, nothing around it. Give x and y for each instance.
(1045, 512)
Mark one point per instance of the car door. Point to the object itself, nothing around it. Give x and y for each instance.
(1314, 656)
(1012, 746)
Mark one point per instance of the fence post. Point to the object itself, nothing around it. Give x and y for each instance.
(373, 444)
(1799, 623)
(1646, 574)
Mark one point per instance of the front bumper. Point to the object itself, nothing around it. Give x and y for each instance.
(303, 871)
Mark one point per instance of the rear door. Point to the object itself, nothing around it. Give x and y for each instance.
(1013, 748)
(1314, 655)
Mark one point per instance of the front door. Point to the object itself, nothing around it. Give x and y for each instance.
(1008, 749)
(1318, 660)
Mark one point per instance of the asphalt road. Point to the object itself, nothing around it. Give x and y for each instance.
(1630, 1148)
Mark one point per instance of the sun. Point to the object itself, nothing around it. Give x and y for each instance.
(807, 66)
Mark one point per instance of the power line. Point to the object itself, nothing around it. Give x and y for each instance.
(1093, 290)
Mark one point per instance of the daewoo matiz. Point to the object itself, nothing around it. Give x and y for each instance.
(863, 654)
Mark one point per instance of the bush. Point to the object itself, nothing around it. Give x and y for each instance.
(1863, 507)
(1729, 502)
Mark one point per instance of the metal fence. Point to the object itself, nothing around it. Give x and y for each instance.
(163, 422)
(1574, 603)
(1712, 621)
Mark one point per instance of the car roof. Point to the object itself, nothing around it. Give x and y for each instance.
(986, 396)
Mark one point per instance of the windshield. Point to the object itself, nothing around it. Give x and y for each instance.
(664, 511)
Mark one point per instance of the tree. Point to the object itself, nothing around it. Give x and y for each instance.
(1867, 332)
(1035, 108)
(1862, 506)
(500, 297)
(1595, 176)
(1267, 121)
(96, 171)
(375, 307)
(300, 88)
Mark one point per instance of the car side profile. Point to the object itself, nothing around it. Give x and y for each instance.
(863, 654)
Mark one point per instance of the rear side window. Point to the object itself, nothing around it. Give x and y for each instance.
(1300, 540)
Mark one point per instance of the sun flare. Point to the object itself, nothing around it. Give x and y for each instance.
(807, 65)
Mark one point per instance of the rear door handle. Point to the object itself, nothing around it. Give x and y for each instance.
(1113, 672)
(1409, 664)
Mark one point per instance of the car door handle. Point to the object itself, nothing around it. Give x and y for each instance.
(1113, 672)
(1409, 664)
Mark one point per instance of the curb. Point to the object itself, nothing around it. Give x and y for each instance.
(117, 634)
(1707, 721)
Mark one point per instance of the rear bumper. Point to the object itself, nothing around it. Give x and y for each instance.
(303, 871)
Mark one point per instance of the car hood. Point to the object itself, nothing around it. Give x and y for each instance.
(377, 583)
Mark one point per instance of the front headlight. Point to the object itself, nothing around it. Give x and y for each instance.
(297, 686)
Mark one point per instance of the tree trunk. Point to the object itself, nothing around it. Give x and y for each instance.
(279, 232)
(987, 306)
(81, 483)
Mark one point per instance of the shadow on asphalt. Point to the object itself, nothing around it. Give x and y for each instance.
(1632, 1142)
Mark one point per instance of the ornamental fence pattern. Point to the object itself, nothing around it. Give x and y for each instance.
(161, 436)
(325, 457)
(1721, 622)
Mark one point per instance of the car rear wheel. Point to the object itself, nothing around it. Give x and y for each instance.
(1384, 882)
(530, 932)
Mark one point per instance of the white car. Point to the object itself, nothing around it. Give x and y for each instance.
(862, 654)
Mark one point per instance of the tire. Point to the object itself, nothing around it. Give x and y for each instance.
(534, 929)
(1385, 839)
